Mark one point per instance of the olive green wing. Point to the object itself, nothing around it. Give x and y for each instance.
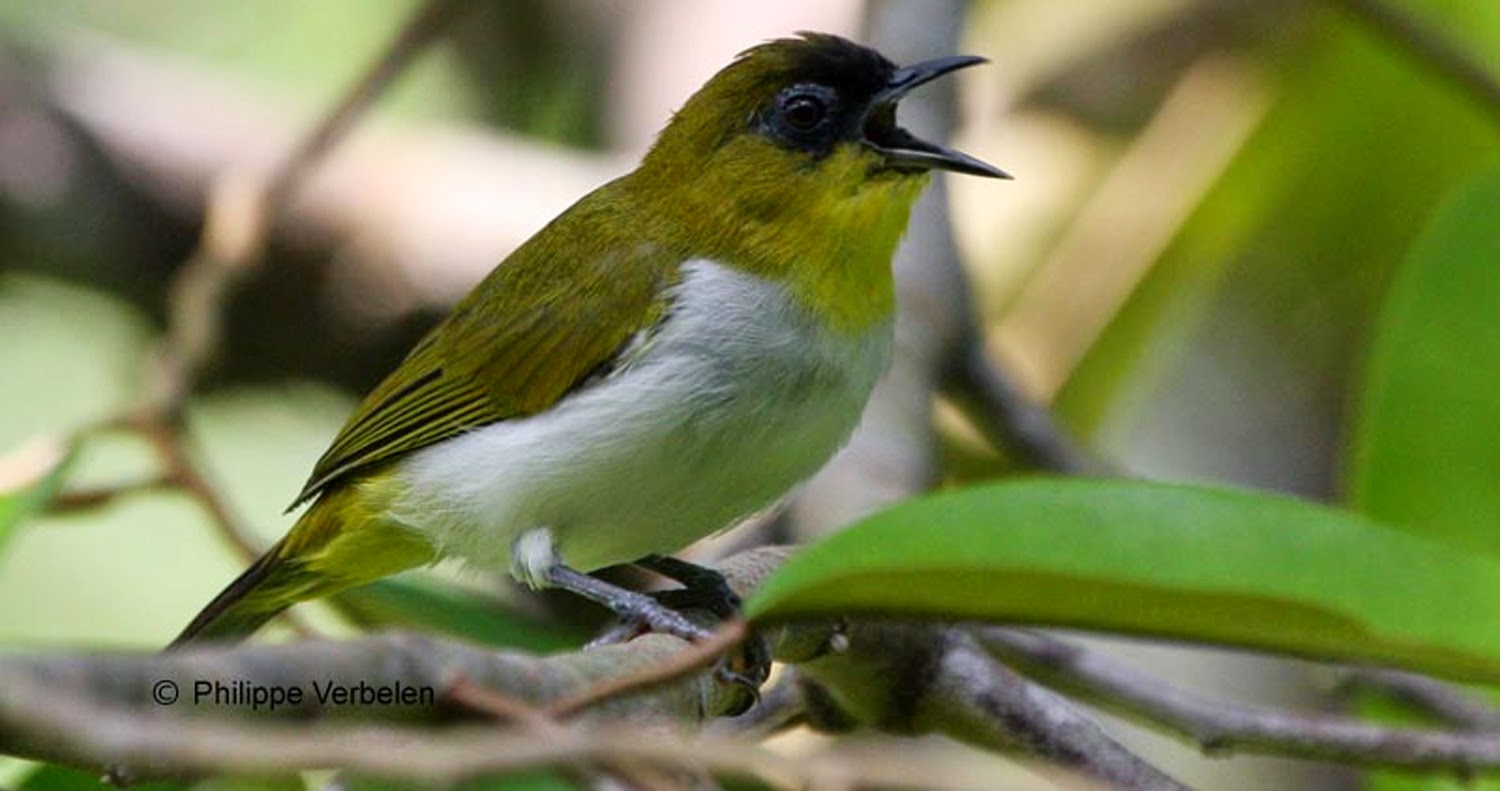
(538, 327)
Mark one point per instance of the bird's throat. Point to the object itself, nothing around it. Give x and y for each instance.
(826, 231)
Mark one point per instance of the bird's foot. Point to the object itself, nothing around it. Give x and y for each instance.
(639, 613)
(748, 668)
(708, 589)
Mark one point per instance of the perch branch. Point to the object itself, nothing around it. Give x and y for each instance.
(1429, 695)
(1221, 727)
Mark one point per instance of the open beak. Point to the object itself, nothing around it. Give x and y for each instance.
(903, 150)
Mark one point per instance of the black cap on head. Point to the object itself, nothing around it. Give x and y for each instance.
(830, 90)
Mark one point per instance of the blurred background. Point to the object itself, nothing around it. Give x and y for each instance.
(1211, 197)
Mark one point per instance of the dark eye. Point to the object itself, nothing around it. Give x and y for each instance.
(804, 111)
(805, 116)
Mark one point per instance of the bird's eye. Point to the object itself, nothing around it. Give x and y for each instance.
(804, 111)
(804, 116)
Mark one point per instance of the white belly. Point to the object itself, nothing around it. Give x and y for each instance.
(737, 399)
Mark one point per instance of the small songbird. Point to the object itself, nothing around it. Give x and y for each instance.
(674, 352)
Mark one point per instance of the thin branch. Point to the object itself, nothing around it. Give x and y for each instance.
(1220, 726)
(536, 721)
(90, 498)
(170, 440)
(421, 29)
(1010, 420)
(92, 710)
(1429, 695)
(237, 225)
(501, 706)
(925, 678)
(155, 746)
(281, 682)
(242, 209)
(1430, 48)
(695, 657)
(131, 682)
(974, 694)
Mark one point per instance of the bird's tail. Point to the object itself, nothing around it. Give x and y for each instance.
(337, 544)
(237, 611)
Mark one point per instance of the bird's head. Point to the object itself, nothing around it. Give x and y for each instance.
(813, 103)
(789, 164)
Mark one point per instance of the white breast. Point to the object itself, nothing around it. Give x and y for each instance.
(739, 397)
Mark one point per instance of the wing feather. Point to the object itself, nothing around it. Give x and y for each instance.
(477, 368)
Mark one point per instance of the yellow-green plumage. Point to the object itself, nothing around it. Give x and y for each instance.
(565, 308)
(346, 539)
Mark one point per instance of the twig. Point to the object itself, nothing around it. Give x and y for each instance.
(236, 228)
(697, 655)
(1430, 48)
(1430, 695)
(216, 684)
(242, 210)
(536, 721)
(925, 678)
(501, 706)
(421, 29)
(97, 709)
(170, 440)
(171, 747)
(979, 699)
(1220, 727)
(87, 499)
(154, 746)
(1010, 420)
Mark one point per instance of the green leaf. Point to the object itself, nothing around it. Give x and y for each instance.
(50, 777)
(1426, 454)
(1423, 451)
(29, 478)
(1195, 563)
(1287, 256)
(423, 603)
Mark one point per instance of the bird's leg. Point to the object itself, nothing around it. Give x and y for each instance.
(633, 608)
(707, 588)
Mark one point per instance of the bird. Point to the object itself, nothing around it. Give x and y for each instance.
(674, 352)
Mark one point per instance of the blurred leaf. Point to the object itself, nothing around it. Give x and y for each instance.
(50, 777)
(29, 478)
(1222, 566)
(310, 50)
(1425, 452)
(283, 783)
(1299, 236)
(532, 66)
(429, 604)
